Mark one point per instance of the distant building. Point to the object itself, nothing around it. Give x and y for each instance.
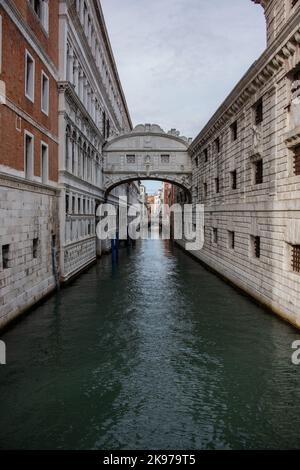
(168, 194)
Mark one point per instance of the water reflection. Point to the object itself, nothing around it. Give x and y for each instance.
(154, 352)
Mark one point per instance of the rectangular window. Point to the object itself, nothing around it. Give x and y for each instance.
(5, 256)
(205, 152)
(83, 209)
(233, 179)
(255, 246)
(215, 235)
(165, 159)
(234, 131)
(73, 204)
(205, 189)
(217, 185)
(197, 161)
(28, 155)
(296, 160)
(296, 258)
(258, 112)
(218, 145)
(67, 204)
(41, 9)
(79, 205)
(44, 163)
(29, 76)
(45, 94)
(258, 172)
(35, 246)
(231, 240)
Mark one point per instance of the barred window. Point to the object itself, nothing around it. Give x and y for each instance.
(35, 246)
(215, 235)
(233, 177)
(255, 242)
(296, 162)
(5, 256)
(234, 131)
(165, 159)
(258, 112)
(231, 239)
(258, 166)
(296, 258)
(217, 185)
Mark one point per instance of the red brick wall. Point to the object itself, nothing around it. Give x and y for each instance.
(12, 145)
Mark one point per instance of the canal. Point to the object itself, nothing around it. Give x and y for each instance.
(155, 353)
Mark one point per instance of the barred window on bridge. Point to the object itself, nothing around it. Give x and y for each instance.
(130, 159)
(165, 159)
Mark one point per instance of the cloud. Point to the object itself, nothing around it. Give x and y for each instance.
(179, 59)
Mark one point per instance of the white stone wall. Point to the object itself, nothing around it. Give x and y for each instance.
(269, 210)
(27, 211)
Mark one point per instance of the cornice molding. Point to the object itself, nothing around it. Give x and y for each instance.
(71, 95)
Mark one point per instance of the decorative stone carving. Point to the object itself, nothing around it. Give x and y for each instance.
(295, 105)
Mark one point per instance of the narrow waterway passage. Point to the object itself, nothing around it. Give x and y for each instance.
(155, 353)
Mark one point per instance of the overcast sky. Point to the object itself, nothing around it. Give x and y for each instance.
(179, 59)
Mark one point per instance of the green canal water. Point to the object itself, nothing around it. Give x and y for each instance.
(156, 353)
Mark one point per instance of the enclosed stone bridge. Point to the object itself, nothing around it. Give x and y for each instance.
(148, 153)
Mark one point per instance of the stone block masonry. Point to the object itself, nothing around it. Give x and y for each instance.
(29, 228)
(246, 165)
